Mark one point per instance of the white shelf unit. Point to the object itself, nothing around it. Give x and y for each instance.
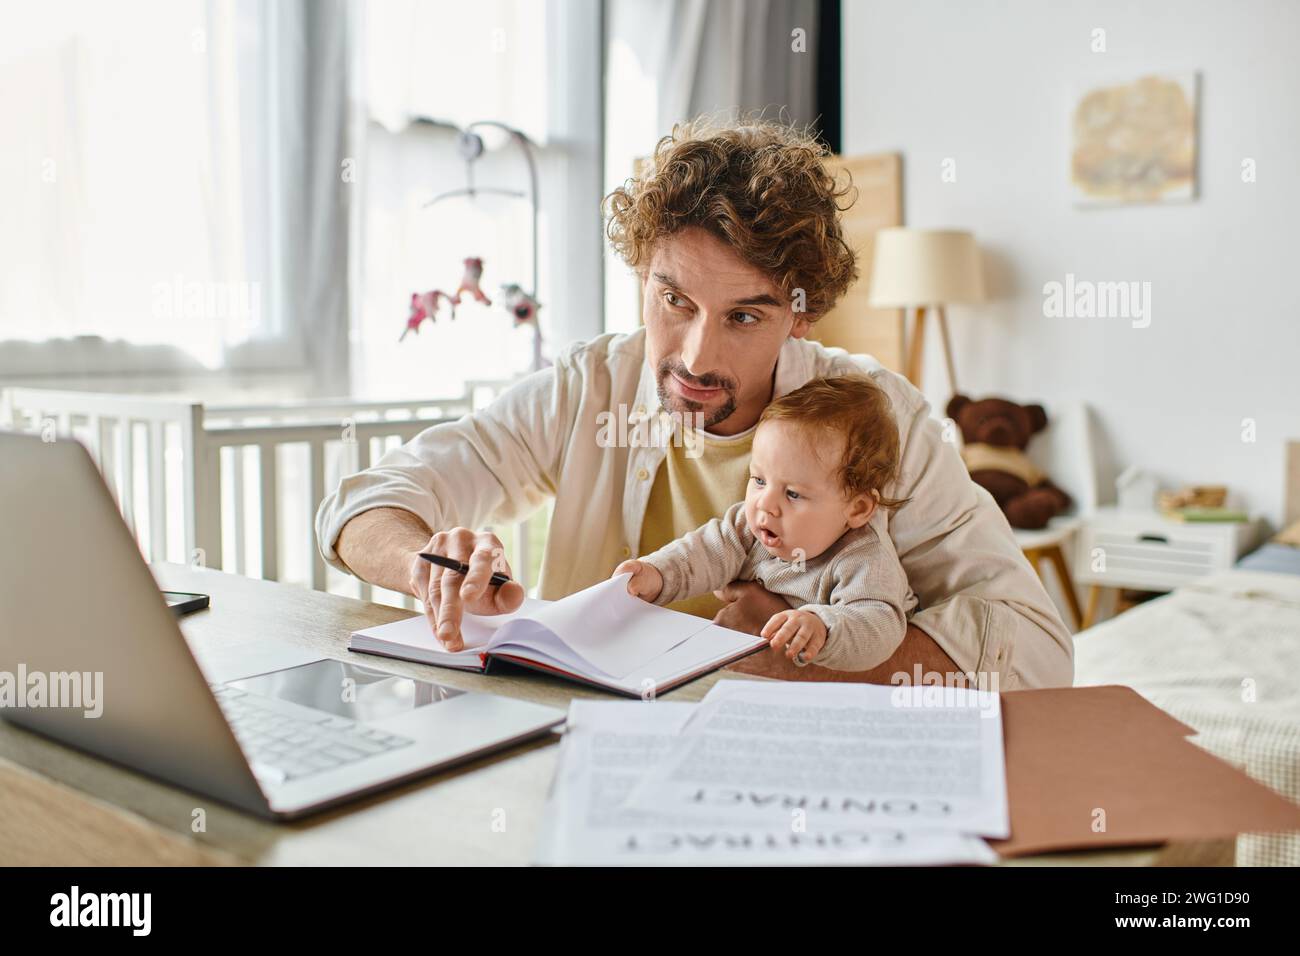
(1149, 552)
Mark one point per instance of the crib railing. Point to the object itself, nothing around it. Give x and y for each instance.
(236, 487)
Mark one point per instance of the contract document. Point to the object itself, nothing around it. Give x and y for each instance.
(908, 758)
(608, 748)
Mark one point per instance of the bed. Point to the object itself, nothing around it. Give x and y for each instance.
(1222, 655)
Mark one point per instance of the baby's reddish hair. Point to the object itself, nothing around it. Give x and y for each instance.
(858, 410)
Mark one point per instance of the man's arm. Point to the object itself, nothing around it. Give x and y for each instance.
(377, 546)
(751, 606)
(918, 650)
(496, 464)
(435, 492)
(980, 599)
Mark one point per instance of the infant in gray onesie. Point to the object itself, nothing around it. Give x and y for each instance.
(810, 529)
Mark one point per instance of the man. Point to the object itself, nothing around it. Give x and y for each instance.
(735, 234)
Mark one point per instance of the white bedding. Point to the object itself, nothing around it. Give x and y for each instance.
(1223, 656)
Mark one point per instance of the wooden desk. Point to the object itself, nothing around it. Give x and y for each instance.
(62, 807)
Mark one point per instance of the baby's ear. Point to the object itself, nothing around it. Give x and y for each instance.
(862, 508)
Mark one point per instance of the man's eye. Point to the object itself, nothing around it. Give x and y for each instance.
(753, 319)
(673, 299)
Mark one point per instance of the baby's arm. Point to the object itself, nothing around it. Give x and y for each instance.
(703, 560)
(866, 617)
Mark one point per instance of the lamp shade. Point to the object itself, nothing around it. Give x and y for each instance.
(914, 267)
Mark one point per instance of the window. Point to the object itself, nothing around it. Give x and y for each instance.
(429, 71)
(238, 184)
(134, 178)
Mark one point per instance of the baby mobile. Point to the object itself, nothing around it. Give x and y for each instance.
(520, 303)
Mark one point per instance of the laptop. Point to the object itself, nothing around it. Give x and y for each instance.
(265, 726)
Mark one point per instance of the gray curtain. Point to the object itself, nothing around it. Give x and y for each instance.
(723, 55)
(314, 198)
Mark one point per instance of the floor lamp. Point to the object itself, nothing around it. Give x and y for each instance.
(925, 269)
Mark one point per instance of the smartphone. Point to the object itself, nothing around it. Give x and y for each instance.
(182, 602)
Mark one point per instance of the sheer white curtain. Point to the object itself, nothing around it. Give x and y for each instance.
(428, 69)
(169, 174)
(457, 63)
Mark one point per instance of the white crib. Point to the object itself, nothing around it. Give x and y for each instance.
(236, 487)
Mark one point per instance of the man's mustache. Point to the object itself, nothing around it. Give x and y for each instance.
(701, 381)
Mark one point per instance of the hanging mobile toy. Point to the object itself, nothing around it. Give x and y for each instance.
(470, 282)
(424, 305)
(520, 304)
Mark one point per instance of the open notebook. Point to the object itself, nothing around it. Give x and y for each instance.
(601, 636)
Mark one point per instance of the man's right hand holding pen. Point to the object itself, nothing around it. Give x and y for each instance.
(447, 592)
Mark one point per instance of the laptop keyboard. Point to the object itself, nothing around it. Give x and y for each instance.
(283, 747)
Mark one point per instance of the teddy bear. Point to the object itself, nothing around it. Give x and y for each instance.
(995, 433)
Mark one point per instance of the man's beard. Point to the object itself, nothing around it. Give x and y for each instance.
(671, 401)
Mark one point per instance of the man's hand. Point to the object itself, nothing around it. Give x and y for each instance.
(798, 631)
(646, 581)
(447, 594)
(749, 606)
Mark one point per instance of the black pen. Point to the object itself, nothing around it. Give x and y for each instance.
(443, 561)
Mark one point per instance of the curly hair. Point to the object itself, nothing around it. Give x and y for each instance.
(858, 410)
(759, 186)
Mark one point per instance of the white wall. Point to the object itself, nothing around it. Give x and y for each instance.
(990, 85)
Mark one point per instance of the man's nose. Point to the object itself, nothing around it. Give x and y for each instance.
(700, 350)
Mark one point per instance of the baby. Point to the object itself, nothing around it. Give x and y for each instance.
(820, 458)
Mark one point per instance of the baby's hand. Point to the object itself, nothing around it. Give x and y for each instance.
(802, 633)
(646, 581)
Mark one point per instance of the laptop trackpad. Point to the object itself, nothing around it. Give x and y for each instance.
(347, 690)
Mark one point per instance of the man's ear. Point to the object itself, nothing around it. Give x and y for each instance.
(861, 508)
(956, 404)
(801, 327)
(1037, 418)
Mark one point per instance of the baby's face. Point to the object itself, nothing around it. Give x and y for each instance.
(794, 501)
